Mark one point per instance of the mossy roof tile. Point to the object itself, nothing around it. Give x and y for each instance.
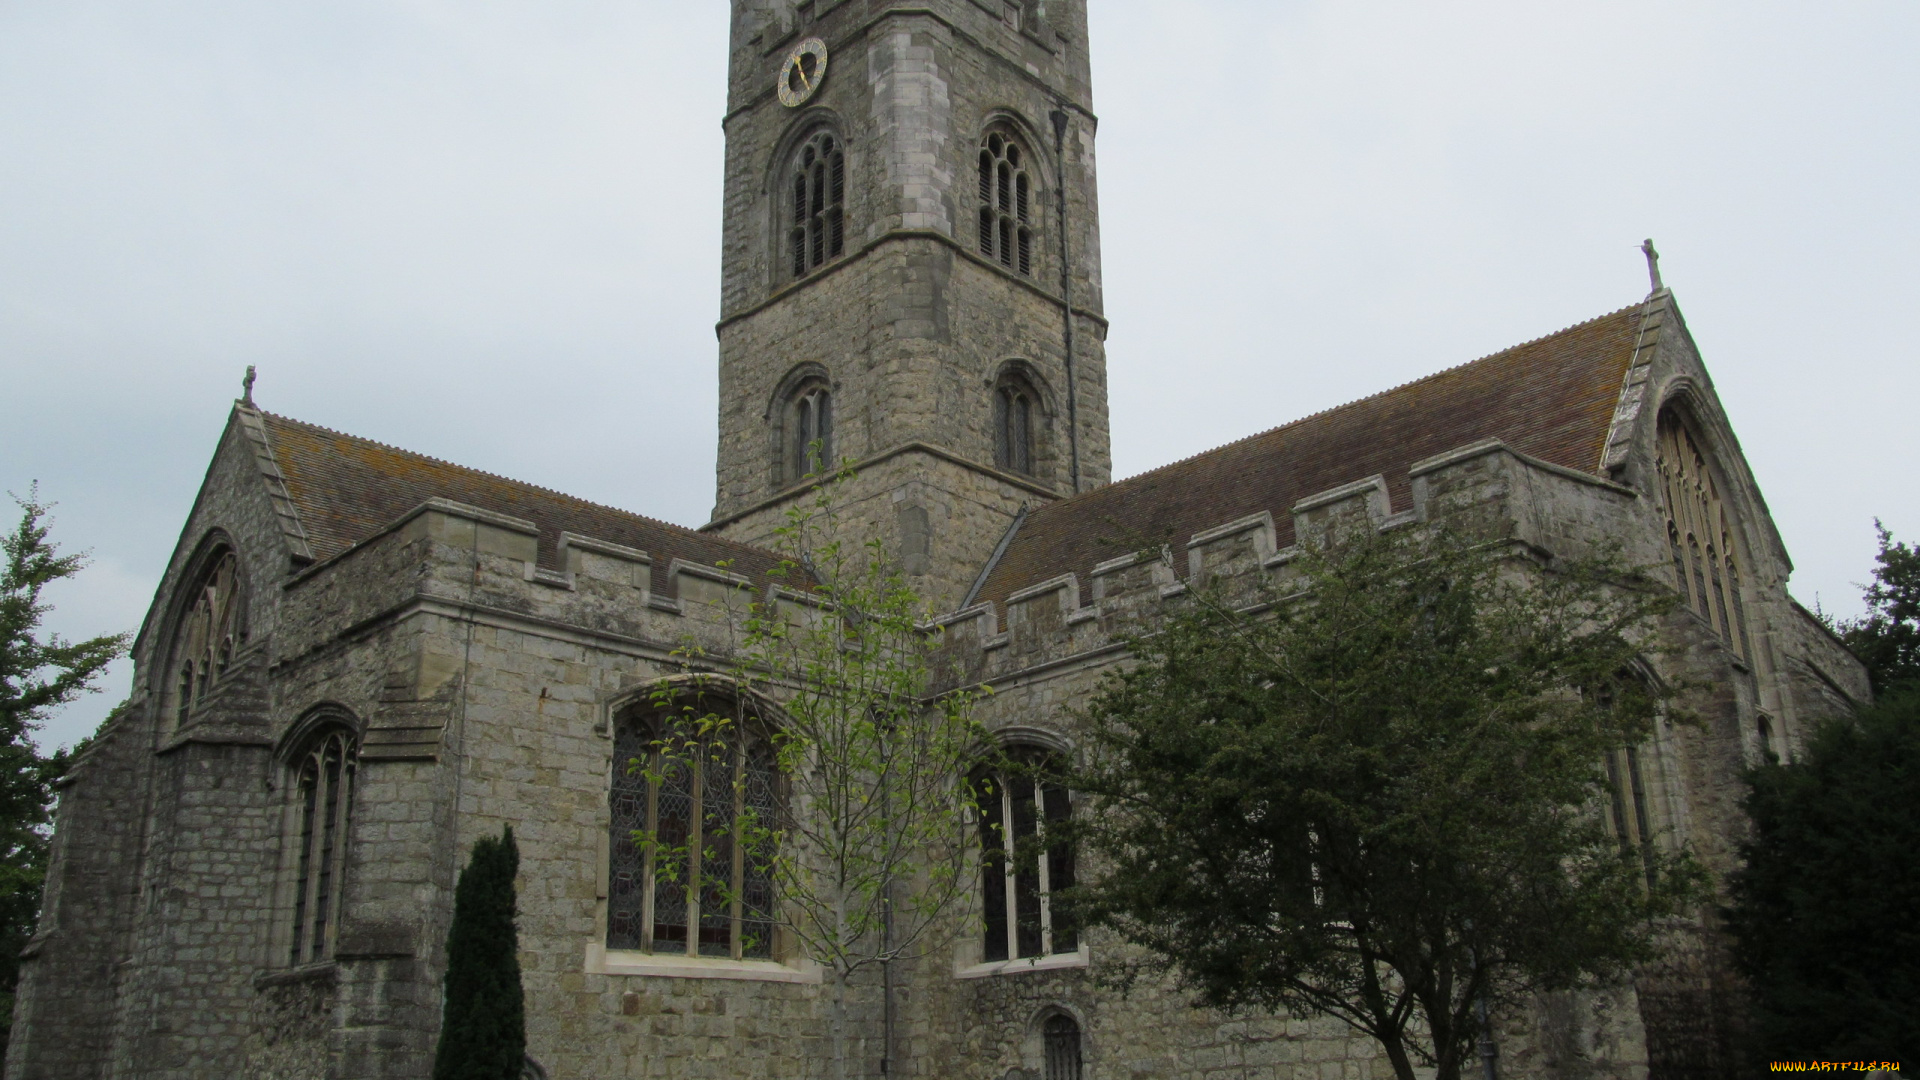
(346, 489)
(1552, 398)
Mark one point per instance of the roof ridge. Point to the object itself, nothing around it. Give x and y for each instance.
(505, 479)
(1616, 313)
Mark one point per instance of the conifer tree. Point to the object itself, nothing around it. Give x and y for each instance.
(483, 1032)
(38, 673)
(1887, 638)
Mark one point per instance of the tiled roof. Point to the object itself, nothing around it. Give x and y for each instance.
(345, 489)
(1552, 398)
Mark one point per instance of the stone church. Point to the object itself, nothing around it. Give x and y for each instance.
(362, 659)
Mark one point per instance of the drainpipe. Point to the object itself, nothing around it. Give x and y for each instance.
(1059, 117)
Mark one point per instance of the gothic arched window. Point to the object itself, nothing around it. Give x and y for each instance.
(1006, 203)
(817, 230)
(212, 628)
(322, 791)
(692, 808)
(1630, 787)
(1021, 865)
(806, 431)
(1628, 804)
(1060, 1047)
(1015, 416)
(1700, 534)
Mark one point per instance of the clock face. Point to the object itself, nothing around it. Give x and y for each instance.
(800, 76)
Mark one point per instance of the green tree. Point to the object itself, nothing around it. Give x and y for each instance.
(1823, 909)
(869, 860)
(1379, 797)
(37, 675)
(483, 1030)
(1887, 638)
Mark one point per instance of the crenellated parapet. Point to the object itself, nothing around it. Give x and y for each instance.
(1487, 486)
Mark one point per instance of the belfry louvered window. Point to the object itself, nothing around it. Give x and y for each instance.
(1700, 534)
(817, 231)
(212, 629)
(692, 809)
(1023, 863)
(1007, 208)
(323, 805)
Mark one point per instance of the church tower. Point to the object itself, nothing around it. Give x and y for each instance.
(911, 275)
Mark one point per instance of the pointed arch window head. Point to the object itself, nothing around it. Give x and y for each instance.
(1007, 212)
(1700, 534)
(804, 439)
(322, 792)
(693, 810)
(1024, 862)
(1015, 416)
(212, 629)
(817, 187)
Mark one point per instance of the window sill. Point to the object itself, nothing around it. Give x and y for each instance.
(1057, 962)
(604, 961)
(321, 971)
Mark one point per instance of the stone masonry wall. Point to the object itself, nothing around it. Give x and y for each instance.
(483, 688)
(113, 985)
(940, 519)
(71, 970)
(1047, 650)
(912, 325)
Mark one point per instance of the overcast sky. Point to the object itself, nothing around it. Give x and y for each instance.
(488, 231)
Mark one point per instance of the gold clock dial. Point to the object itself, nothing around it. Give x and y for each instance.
(800, 76)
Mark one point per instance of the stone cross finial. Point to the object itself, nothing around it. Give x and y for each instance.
(246, 388)
(1653, 264)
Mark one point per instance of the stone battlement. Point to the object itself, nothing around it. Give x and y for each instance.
(1543, 505)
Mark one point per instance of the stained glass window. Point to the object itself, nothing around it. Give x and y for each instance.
(688, 871)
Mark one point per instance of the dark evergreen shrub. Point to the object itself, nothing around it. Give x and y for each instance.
(483, 1033)
(1825, 908)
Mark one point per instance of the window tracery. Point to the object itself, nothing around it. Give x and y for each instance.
(211, 631)
(691, 807)
(817, 230)
(805, 436)
(1022, 866)
(1015, 409)
(323, 805)
(1628, 806)
(1700, 534)
(1006, 203)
